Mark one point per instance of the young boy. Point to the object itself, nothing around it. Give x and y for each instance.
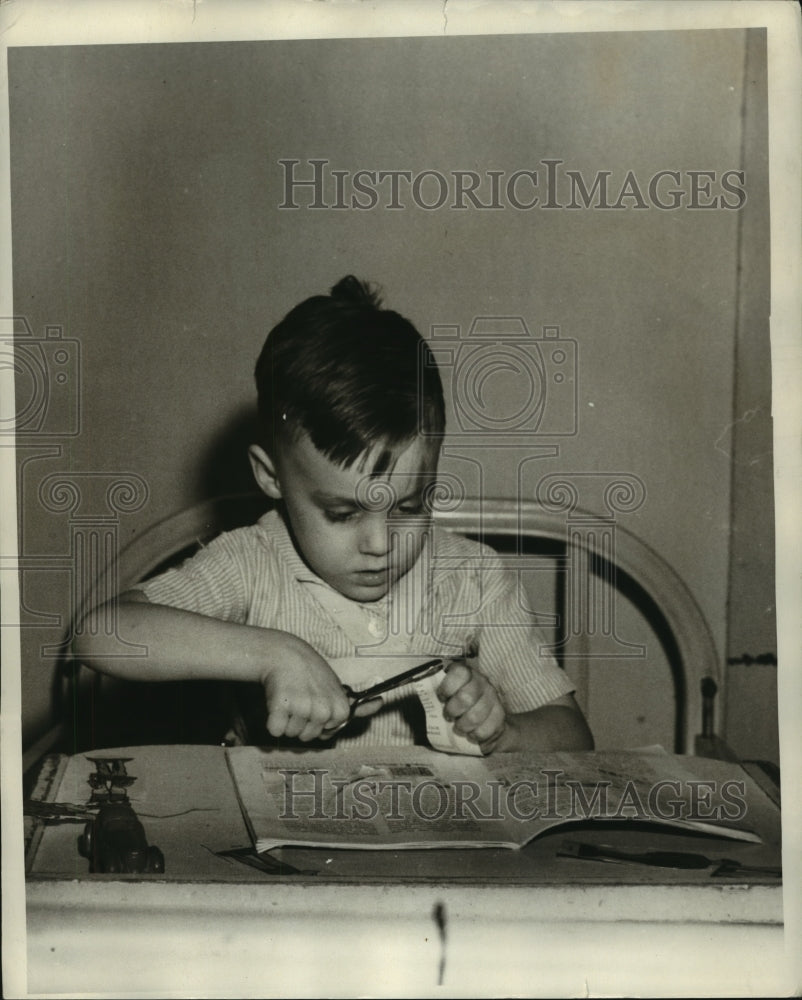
(351, 413)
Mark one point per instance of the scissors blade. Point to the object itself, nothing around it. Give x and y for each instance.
(398, 680)
(357, 698)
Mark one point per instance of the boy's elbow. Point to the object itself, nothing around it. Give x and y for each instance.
(580, 732)
(87, 643)
(575, 727)
(84, 647)
(91, 642)
(562, 726)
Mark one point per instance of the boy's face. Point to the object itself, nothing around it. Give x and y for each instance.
(351, 544)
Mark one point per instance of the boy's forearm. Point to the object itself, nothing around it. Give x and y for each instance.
(181, 645)
(549, 728)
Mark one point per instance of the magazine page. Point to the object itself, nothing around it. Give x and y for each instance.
(386, 797)
(416, 798)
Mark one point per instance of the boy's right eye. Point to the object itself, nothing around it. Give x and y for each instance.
(339, 516)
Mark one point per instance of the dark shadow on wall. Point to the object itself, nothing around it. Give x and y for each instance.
(224, 468)
(104, 712)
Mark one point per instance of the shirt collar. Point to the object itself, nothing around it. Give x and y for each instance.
(295, 565)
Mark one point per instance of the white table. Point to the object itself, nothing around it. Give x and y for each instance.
(395, 923)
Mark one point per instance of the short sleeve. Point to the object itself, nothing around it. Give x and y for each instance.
(212, 582)
(512, 648)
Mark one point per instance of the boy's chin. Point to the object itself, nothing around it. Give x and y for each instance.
(365, 595)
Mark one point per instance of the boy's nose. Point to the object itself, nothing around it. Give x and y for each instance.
(374, 539)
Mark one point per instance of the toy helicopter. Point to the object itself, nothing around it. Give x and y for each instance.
(114, 840)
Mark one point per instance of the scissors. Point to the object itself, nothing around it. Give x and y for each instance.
(663, 859)
(357, 698)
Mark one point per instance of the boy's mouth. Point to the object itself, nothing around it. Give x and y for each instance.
(373, 577)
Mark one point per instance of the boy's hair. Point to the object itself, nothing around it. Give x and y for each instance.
(349, 373)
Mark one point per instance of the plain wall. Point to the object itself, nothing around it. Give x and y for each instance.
(750, 710)
(145, 193)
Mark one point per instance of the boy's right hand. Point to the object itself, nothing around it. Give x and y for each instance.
(304, 696)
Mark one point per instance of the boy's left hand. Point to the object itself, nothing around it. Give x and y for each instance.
(472, 703)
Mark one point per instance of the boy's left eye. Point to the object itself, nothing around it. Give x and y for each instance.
(410, 508)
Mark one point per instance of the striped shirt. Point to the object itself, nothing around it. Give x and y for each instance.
(457, 601)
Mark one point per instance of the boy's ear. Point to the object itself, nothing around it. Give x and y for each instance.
(264, 472)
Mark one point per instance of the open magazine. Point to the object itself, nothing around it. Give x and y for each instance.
(414, 797)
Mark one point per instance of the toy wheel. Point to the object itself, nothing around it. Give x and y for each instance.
(85, 841)
(155, 860)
